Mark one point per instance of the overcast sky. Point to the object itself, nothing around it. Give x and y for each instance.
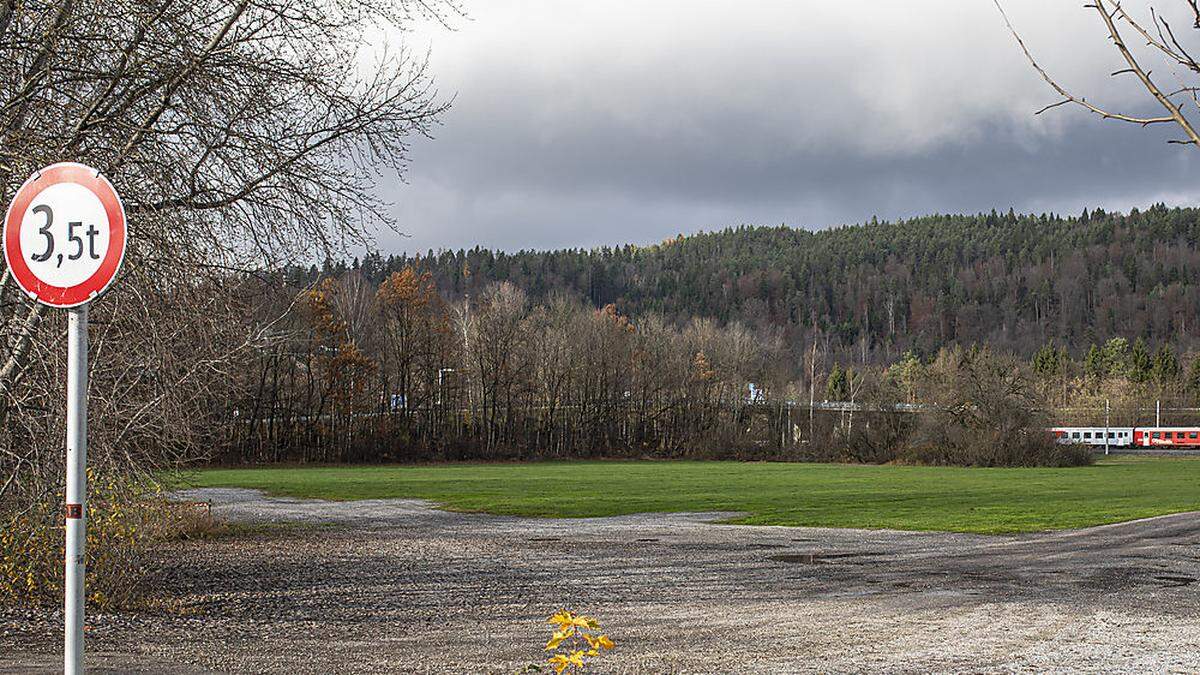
(586, 123)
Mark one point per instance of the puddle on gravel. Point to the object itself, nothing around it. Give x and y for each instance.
(1174, 581)
(815, 558)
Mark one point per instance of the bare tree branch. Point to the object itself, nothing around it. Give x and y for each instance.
(1068, 97)
(1176, 54)
(1143, 75)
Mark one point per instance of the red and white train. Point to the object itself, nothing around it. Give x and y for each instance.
(1130, 437)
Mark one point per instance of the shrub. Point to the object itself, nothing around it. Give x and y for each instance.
(986, 415)
(881, 430)
(125, 517)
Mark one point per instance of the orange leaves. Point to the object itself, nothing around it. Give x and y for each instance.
(406, 289)
(410, 303)
(320, 307)
(356, 332)
(571, 631)
(618, 320)
(702, 370)
(350, 357)
(345, 364)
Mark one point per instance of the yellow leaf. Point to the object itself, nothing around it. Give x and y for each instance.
(585, 622)
(605, 642)
(559, 663)
(557, 639)
(576, 658)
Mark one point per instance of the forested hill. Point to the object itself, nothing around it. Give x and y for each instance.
(1013, 281)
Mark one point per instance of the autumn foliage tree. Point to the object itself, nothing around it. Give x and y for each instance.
(415, 329)
(345, 369)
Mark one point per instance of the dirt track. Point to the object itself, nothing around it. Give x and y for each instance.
(396, 586)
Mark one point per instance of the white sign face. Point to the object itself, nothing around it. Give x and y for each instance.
(65, 235)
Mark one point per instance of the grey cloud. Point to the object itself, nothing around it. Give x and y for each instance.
(722, 119)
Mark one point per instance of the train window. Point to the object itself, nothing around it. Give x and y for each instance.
(1087, 435)
(1156, 435)
(1112, 434)
(1193, 434)
(1075, 435)
(1179, 435)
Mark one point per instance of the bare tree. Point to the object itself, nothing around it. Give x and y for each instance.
(1161, 38)
(241, 135)
(814, 358)
(238, 134)
(495, 357)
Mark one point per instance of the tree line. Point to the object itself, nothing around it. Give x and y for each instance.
(399, 372)
(878, 289)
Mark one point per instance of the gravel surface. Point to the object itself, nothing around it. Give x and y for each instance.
(398, 586)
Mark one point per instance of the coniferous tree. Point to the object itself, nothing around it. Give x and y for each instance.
(1050, 366)
(1116, 357)
(837, 385)
(1192, 384)
(1049, 362)
(1140, 364)
(907, 374)
(1166, 368)
(1094, 366)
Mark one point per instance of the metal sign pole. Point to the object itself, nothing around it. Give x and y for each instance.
(49, 207)
(76, 506)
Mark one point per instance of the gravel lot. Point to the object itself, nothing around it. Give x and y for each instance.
(398, 586)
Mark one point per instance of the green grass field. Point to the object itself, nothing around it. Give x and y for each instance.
(832, 495)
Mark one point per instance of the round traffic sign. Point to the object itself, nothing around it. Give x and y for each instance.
(64, 235)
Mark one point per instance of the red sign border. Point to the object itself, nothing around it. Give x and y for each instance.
(89, 289)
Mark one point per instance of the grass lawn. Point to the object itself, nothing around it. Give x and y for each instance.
(831, 495)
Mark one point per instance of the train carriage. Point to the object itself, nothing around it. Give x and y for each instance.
(1129, 437)
(1113, 437)
(1167, 437)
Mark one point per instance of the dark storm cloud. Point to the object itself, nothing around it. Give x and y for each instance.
(580, 129)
